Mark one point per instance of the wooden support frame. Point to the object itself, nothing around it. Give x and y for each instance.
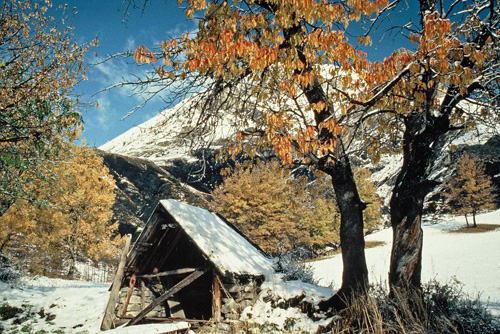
(169, 273)
(171, 246)
(109, 314)
(176, 288)
(142, 286)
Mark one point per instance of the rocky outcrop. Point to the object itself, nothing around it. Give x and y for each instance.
(140, 184)
(203, 172)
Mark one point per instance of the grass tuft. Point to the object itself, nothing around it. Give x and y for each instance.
(481, 228)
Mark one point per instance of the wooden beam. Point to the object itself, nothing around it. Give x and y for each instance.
(170, 248)
(157, 244)
(176, 288)
(169, 273)
(109, 314)
(129, 294)
(171, 320)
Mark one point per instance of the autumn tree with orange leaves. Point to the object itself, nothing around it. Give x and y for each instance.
(285, 73)
(264, 61)
(449, 81)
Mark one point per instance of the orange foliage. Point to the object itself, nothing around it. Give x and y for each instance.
(282, 41)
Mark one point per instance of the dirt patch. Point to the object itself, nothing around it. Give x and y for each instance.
(481, 228)
(9, 312)
(368, 244)
(373, 244)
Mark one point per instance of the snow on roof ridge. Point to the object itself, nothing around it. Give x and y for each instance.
(226, 248)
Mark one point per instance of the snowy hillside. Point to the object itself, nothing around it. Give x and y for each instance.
(165, 140)
(164, 137)
(77, 307)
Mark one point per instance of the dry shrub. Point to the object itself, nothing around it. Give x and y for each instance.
(438, 308)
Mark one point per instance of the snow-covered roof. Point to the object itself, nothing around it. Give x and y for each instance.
(229, 251)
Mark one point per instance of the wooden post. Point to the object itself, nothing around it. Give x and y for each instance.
(216, 298)
(109, 314)
(176, 288)
(169, 273)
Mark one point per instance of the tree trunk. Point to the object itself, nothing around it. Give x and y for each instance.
(73, 249)
(355, 271)
(407, 235)
(338, 166)
(72, 266)
(466, 220)
(474, 218)
(412, 185)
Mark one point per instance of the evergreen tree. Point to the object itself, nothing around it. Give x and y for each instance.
(469, 188)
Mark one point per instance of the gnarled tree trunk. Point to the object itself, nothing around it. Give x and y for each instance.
(355, 271)
(420, 145)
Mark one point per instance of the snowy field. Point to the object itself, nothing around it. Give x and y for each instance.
(77, 307)
(471, 258)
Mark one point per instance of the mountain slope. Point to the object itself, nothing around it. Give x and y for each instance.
(140, 184)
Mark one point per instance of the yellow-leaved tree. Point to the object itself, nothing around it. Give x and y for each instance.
(70, 219)
(268, 205)
(280, 212)
(368, 193)
(469, 188)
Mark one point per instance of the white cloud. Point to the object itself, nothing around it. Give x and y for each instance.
(179, 29)
(116, 71)
(104, 110)
(130, 45)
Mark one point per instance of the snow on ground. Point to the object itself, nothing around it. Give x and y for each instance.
(78, 307)
(473, 259)
(286, 317)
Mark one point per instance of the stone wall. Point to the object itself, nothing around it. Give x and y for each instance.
(135, 304)
(242, 292)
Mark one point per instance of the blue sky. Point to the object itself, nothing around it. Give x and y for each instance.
(117, 32)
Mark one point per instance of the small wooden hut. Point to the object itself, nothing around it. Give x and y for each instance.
(187, 264)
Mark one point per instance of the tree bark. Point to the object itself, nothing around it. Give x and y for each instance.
(420, 138)
(355, 271)
(420, 144)
(337, 165)
(72, 267)
(466, 220)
